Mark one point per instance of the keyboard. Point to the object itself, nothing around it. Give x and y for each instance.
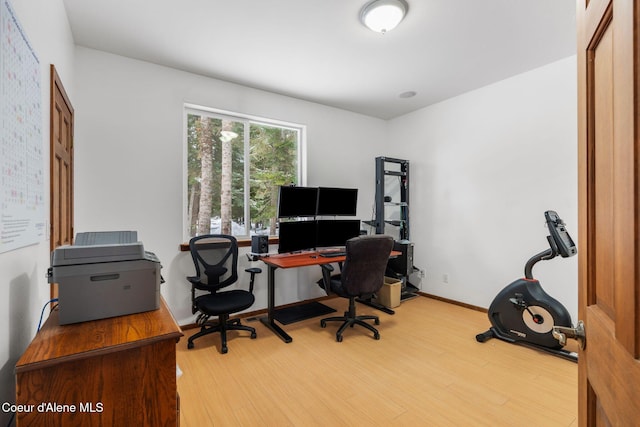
(332, 254)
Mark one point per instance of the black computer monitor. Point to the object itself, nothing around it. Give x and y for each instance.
(332, 233)
(297, 201)
(296, 236)
(337, 201)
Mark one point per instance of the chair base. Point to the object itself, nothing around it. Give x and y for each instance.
(223, 325)
(350, 320)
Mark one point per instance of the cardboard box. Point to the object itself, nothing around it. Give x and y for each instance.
(389, 294)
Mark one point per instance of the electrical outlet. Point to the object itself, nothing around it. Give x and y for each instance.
(445, 278)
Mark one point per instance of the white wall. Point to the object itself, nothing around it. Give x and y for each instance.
(129, 158)
(23, 287)
(484, 167)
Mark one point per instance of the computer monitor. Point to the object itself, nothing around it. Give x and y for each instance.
(332, 233)
(337, 201)
(296, 236)
(297, 201)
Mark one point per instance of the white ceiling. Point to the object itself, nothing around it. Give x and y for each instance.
(317, 50)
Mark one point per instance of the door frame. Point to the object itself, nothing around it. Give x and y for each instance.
(57, 90)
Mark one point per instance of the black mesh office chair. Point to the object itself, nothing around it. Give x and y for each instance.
(215, 257)
(362, 275)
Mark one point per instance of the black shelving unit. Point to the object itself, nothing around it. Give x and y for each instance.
(392, 218)
(387, 166)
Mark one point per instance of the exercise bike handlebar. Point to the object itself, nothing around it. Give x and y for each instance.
(558, 232)
(560, 243)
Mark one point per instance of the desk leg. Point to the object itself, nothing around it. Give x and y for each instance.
(269, 320)
(374, 304)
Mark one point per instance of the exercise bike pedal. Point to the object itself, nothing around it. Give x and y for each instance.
(518, 301)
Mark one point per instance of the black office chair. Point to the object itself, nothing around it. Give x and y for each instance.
(362, 275)
(216, 260)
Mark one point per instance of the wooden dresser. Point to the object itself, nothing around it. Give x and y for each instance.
(110, 372)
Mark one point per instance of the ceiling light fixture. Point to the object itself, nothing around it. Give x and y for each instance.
(383, 15)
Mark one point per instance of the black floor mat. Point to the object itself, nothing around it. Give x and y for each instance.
(300, 312)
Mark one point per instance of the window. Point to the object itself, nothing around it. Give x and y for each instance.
(235, 165)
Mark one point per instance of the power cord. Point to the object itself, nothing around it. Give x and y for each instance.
(42, 313)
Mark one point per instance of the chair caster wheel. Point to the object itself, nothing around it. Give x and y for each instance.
(339, 338)
(224, 350)
(323, 324)
(189, 345)
(376, 336)
(253, 335)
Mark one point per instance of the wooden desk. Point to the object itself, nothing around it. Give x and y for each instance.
(303, 259)
(119, 371)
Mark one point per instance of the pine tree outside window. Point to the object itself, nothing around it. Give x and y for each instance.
(235, 164)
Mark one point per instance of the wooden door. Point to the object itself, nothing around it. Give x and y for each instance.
(61, 167)
(609, 208)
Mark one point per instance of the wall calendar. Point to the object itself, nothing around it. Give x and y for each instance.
(22, 213)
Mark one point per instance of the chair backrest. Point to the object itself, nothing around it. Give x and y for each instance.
(215, 257)
(363, 270)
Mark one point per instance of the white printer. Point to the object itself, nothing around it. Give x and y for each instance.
(104, 274)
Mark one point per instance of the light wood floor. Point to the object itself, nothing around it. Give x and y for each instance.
(426, 370)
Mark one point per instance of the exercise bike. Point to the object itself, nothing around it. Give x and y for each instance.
(523, 313)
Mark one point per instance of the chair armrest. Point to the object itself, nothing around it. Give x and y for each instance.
(253, 271)
(326, 277)
(327, 267)
(195, 282)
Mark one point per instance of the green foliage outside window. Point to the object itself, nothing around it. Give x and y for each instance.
(219, 144)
